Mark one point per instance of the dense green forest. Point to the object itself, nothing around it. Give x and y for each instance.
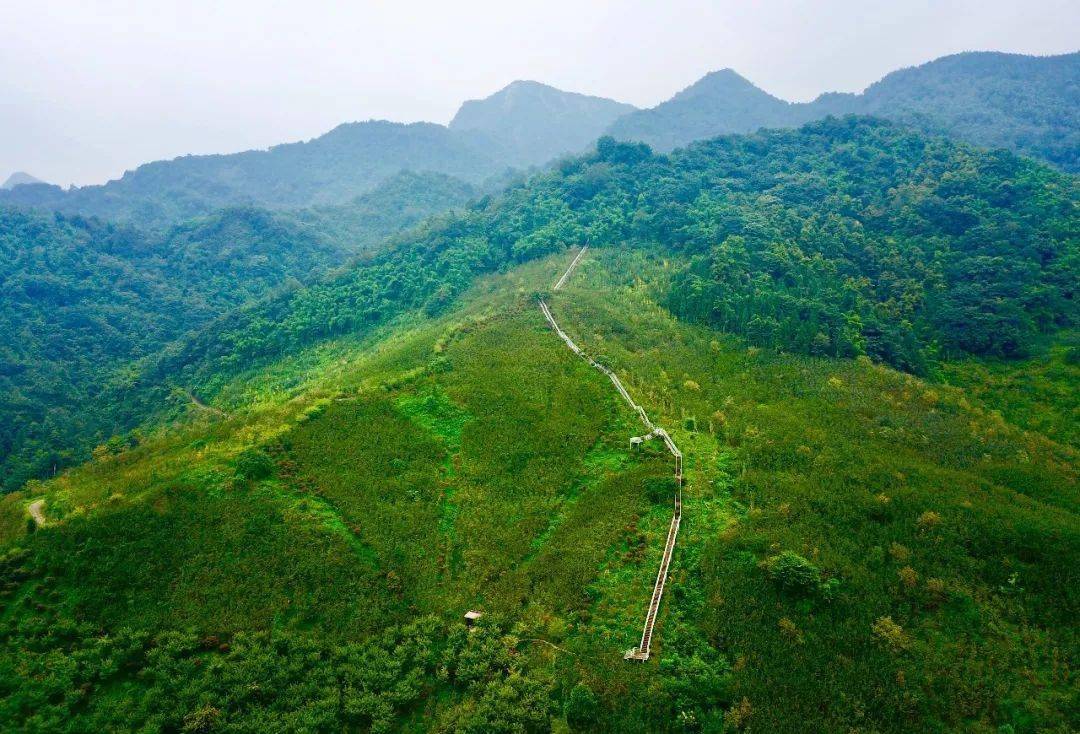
(838, 324)
(847, 237)
(86, 301)
(1023, 103)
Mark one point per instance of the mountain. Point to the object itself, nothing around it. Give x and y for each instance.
(1028, 104)
(19, 179)
(1024, 103)
(523, 125)
(86, 300)
(408, 439)
(719, 103)
(350, 160)
(536, 123)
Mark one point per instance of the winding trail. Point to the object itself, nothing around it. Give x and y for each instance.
(641, 652)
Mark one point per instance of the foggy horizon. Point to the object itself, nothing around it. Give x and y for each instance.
(91, 93)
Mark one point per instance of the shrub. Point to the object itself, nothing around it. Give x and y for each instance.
(899, 553)
(793, 572)
(928, 520)
(908, 577)
(253, 464)
(889, 633)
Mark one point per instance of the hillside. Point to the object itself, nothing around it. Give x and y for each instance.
(323, 542)
(525, 124)
(85, 300)
(864, 548)
(1024, 103)
(535, 123)
(350, 160)
(847, 237)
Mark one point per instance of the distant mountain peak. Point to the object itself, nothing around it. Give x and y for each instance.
(722, 82)
(20, 178)
(722, 101)
(535, 122)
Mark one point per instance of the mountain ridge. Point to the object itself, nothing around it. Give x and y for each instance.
(1028, 104)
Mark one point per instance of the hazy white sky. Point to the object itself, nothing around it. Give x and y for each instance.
(89, 88)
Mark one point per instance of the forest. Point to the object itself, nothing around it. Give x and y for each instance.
(86, 302)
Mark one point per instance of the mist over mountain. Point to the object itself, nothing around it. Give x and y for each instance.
(523, 125)
(535, 122)
(350, 160)
(719, 103)
(19, 178)
(1024, 103)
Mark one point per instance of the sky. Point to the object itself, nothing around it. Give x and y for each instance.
(91, 88)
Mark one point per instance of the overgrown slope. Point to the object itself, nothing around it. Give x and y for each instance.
(863, 548)
(322, 541)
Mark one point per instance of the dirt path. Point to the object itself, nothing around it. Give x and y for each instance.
(641, 652)
(203, 406)
(37, 511)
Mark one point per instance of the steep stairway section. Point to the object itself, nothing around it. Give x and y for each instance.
(641, 652)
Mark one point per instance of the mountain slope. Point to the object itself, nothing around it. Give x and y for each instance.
(471, 462)
(536, 123)
(883, 241)
(348, 161)
(525, 124)
(409, 440)
(1028, 104)
(1023, 103)
(84, 300)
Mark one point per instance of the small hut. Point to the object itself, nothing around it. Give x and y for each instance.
(471, 616)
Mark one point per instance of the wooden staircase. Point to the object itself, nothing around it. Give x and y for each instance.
(641, 652)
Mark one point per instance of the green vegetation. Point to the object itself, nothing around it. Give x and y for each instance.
(887, 243)
(879, 533)
(85, 301)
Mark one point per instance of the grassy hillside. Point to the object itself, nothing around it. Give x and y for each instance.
(861, 549)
